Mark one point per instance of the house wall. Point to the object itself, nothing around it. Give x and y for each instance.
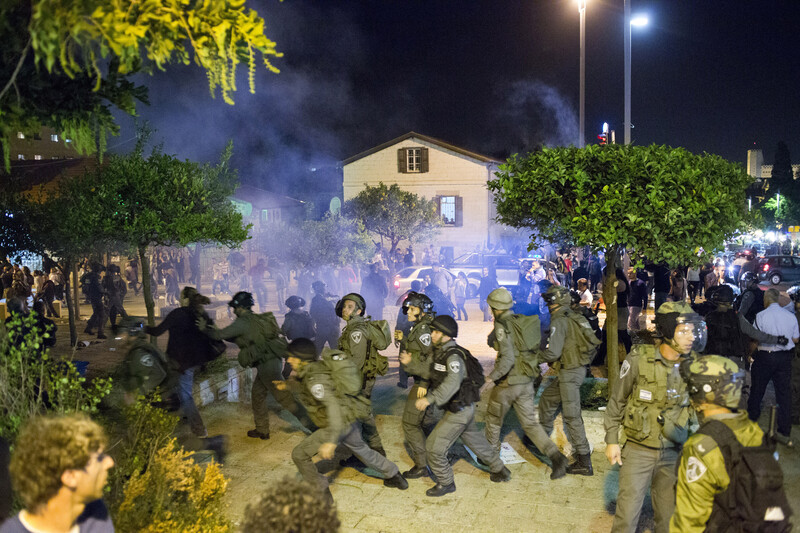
(449, 174)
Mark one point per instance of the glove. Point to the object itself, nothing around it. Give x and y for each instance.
(783, 341)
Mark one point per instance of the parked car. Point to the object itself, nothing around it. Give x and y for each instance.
(472, 264)
(402, 280)
(778, 268)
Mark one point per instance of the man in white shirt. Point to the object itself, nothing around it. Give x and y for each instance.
(586, 294)
(773, 362)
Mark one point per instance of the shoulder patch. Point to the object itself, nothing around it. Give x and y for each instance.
(356, 336)
(624, 369)
(455, 366)
(694, 469)
(500, 333)
(146, 360)
(425, 339)
(318, 391)
(703, 445)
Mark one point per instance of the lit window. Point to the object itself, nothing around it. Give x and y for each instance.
(37, 157)
(448, 209)
(413, 159)
(54, 137)
(21, 157)
(20, 135)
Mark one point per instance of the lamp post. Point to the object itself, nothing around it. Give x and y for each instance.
(582, 12)
(638, 21)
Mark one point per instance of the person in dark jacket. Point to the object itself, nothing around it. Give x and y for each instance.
(375, 290)
(297, 323)
(93, 290)
(488, 284)
(187, 349)
(323, 312)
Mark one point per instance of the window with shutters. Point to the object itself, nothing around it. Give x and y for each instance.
(451, 210)
(412, 160)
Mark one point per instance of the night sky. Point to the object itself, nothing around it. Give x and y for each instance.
(495, 77)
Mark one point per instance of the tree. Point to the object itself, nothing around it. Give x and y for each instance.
(66, 64)
(163, 201)
(332, 241)
(664, 203)
(394, 214)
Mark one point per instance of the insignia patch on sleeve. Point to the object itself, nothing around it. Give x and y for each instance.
(455, 366)
(425, 339)
(356, 336)
(694, 469)
(146, 360)
(624, 369)
(500, 333)
(318, 391)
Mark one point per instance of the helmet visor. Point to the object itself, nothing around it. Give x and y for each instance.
(690, 334)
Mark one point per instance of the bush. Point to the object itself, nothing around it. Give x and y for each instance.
(34, 382)
(174, 494)
(594, 393)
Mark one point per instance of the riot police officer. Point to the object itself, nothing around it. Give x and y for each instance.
(323, 312)
(356, 342)
(513, 385)
(570, 345)
(416, 354)
(258, 339)
(650, 403)
(752, 299)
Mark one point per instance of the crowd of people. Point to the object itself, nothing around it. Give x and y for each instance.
(685, 405)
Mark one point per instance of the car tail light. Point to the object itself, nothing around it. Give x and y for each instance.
(396, 284)
(766, 267)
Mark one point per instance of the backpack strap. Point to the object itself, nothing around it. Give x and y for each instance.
(731, 450)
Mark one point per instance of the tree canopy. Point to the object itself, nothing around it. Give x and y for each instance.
(664, 203)
(66, 64)
(394, 214)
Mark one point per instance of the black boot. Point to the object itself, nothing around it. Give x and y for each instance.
(503, 475)
(582, 466)
(560, 465)
(440, 490)
(397, 481)
(217, 444)
(417, 472)
(256, 434)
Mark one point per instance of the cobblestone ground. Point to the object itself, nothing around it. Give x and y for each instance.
(530, 502)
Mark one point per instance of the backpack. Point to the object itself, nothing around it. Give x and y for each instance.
(756, 307)
(587, 341)
(470, 391)
(344, 372)
(527, 340)
(378, 338)
(268, 336)
(755, 499)
(724, 335)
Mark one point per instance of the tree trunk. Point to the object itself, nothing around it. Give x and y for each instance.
(71, 314)
(148, 295)
(610, 298)
(76, 294)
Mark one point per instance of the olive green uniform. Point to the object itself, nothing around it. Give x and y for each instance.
(512, 389)
(418, 344)
(244, 332)
(702, 473)
(338, 416)
(564, 392)
(454, 424)
(796, 381)
(651, 404)
(355, 341)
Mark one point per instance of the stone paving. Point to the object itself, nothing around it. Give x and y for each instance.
(530, 502)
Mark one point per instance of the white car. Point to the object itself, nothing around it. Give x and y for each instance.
(402, 280)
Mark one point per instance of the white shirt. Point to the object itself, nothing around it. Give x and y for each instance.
(777, 321)
(586, 298)
(693, 274)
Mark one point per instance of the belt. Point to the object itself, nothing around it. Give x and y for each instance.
(776, 351)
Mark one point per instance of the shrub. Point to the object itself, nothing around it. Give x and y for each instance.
(594, 393)
(174, 494)
(34, 382)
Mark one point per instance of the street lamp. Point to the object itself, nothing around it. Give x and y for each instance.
(582, 11)
(637, 21)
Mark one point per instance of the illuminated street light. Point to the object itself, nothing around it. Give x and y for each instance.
(637, 21)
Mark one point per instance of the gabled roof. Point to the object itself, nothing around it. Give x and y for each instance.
(414, 135)
(262, 199)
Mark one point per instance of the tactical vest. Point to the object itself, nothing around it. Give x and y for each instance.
(317, 374)
(459, 400)
(419, 343)
(577, 350)
(516, 376)
(261, 342)
(756, 307)
(373, 363)
(724, 334)
(652, 417)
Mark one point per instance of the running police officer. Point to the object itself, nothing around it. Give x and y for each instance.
(335, 412)
(416, 354)
(514, 387)
(651, 404)
(448, 390)
(571, 345)
(355, 341)
(257, 338)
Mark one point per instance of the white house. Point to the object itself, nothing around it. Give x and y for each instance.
(456, 178)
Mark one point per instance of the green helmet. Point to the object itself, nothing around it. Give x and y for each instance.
(557, 295)
(672, 314)
(500, 299)
(713, 379)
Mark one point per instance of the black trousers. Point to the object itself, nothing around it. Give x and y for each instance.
(775, 367)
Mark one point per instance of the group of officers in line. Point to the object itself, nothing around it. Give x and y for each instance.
(661, 390)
